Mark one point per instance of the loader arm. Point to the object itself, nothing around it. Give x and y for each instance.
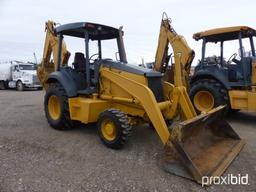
(183, 54)
(146, 99)
(51, 51)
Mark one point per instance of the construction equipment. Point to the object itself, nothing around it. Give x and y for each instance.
(118, 95)
(231, 82)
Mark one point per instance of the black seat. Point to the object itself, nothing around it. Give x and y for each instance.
(79, 62)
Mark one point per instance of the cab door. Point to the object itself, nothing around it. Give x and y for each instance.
(16, 74)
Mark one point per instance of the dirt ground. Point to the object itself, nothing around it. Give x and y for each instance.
(34, 157)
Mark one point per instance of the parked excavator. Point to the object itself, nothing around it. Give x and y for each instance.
(117, 95)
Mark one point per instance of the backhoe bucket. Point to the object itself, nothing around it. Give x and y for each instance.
(202, 146)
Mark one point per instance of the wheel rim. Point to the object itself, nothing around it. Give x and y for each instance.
(204, 101)
(108, 129)
(54, 107)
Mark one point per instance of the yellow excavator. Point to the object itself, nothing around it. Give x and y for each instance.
(117, 95)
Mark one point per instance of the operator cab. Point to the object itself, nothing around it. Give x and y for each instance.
(86, 65)
(234, 67)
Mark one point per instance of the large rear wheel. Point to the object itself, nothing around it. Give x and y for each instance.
(113, 128)
(56, 107)
(207, 94)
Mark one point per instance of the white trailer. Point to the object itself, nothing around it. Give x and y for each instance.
(18, 75)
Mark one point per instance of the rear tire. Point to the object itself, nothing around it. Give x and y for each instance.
(20, 86)
(2, 85)
(207, 94)
(113, 128)
(56, 107)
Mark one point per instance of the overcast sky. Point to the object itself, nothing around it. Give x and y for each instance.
(22, 21)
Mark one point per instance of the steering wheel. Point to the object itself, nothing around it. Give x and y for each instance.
(233, 56)
(91, 58)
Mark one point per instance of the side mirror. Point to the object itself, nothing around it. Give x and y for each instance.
(15, 68)
(117, 56)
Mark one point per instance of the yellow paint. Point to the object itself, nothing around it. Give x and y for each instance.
(111, 89)
(242, 100)
(204, 101)
(86, 110)
(183, 54)
(51, 51)
(108, 129)
(217, 31)
(54, 108)
(254, 72)
(143, 94)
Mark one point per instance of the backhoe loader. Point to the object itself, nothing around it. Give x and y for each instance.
(232, 82)
(117, 95)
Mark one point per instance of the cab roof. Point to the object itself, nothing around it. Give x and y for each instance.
(95, 31)
(225, 34)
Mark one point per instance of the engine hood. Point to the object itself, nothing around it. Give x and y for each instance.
(131, 68)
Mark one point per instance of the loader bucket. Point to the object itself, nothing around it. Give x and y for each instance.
(202, 146)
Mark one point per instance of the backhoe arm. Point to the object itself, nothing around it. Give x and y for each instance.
(183, 54)
(51, 51)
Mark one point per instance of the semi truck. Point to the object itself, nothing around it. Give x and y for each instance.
(18, 75)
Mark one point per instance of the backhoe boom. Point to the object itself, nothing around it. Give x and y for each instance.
(48, 65)
(183, 54)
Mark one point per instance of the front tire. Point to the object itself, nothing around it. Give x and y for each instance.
(113, 128)
(20, 86)
(207, 94)
(56, 107)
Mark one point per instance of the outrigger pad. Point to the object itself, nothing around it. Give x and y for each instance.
(202, 146)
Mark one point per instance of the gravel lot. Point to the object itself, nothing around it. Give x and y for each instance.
(34, 157)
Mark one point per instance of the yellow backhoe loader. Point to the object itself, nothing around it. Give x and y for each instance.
(118, 95)
(232, 82)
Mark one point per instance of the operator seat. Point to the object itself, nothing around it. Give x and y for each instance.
(79, 62)
(79, 69)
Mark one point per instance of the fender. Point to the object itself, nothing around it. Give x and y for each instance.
(213, 74)
(66, 80)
